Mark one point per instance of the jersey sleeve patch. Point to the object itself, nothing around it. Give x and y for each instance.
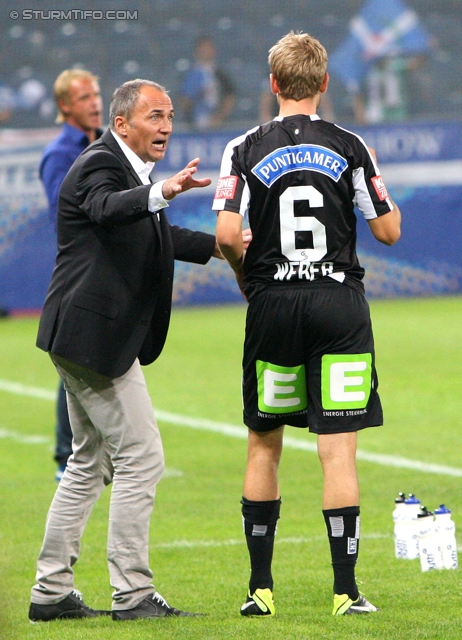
(380, 187)
(226, 188)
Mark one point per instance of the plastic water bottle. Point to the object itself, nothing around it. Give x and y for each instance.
(399, 515)
(446, 530)
(406, 542)
(428, 540)
(411, 525)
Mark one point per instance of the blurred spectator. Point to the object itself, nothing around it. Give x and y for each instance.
(207, 95)
(30, 94)
(29, 97)
(385, 44)
(7, 102)
(385, 94)
(80, 110)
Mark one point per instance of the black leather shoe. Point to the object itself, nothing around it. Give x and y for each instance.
(72, 606)
(154, 606)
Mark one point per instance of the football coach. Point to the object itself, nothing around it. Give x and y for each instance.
(107, 313)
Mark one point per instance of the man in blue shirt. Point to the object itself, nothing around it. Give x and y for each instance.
(80, 109)
(208, 95)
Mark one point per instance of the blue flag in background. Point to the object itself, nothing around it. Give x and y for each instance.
(381, 28)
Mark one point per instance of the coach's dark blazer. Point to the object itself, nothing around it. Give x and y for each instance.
(110, 294)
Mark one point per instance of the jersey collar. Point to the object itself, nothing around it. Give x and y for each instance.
(313, 116)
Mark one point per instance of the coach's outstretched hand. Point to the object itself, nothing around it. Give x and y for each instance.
(183, 181)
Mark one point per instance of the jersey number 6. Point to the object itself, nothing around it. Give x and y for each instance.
(291, 224)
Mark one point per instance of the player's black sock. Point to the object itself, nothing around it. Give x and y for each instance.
(343, 531)
(260, 523)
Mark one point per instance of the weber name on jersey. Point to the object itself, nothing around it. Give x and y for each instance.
(298, 180)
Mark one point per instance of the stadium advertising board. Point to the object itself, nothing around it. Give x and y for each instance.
(421, 166)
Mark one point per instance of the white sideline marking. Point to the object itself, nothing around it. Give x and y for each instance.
(172, 473)
(7, 434)
(202, 544)
(195, 544)
(293, 443)
(20, 389)
(234, 431)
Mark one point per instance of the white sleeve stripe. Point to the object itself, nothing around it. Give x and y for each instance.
(363, 198)
(218, 205)
(225, 170)
(390, 203)
(362, 195)
(365, 145)
(244, 207)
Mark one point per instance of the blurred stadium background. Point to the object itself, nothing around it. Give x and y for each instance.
(418, 143)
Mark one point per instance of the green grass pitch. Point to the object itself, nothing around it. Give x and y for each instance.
(198, 552)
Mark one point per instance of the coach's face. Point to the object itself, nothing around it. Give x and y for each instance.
(150, 125)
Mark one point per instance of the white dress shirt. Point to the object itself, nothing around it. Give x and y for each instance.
(156, 200)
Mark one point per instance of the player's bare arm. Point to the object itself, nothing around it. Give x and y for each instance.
(229, 238)
(232, 242)
(387, 228)
(246, 240)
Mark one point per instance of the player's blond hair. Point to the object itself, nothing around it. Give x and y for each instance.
(298, 62)
(62, 87)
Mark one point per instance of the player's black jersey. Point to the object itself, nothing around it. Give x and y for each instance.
(298, 179)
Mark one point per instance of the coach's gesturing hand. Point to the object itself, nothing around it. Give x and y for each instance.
(183, 181)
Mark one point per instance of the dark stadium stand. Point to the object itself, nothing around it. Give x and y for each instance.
(159, 45)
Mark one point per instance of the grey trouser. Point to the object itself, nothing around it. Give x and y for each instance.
(115, 438)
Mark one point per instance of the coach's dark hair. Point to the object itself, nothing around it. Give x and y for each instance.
(125, 98)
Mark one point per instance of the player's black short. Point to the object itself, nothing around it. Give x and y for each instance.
(309, 360)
